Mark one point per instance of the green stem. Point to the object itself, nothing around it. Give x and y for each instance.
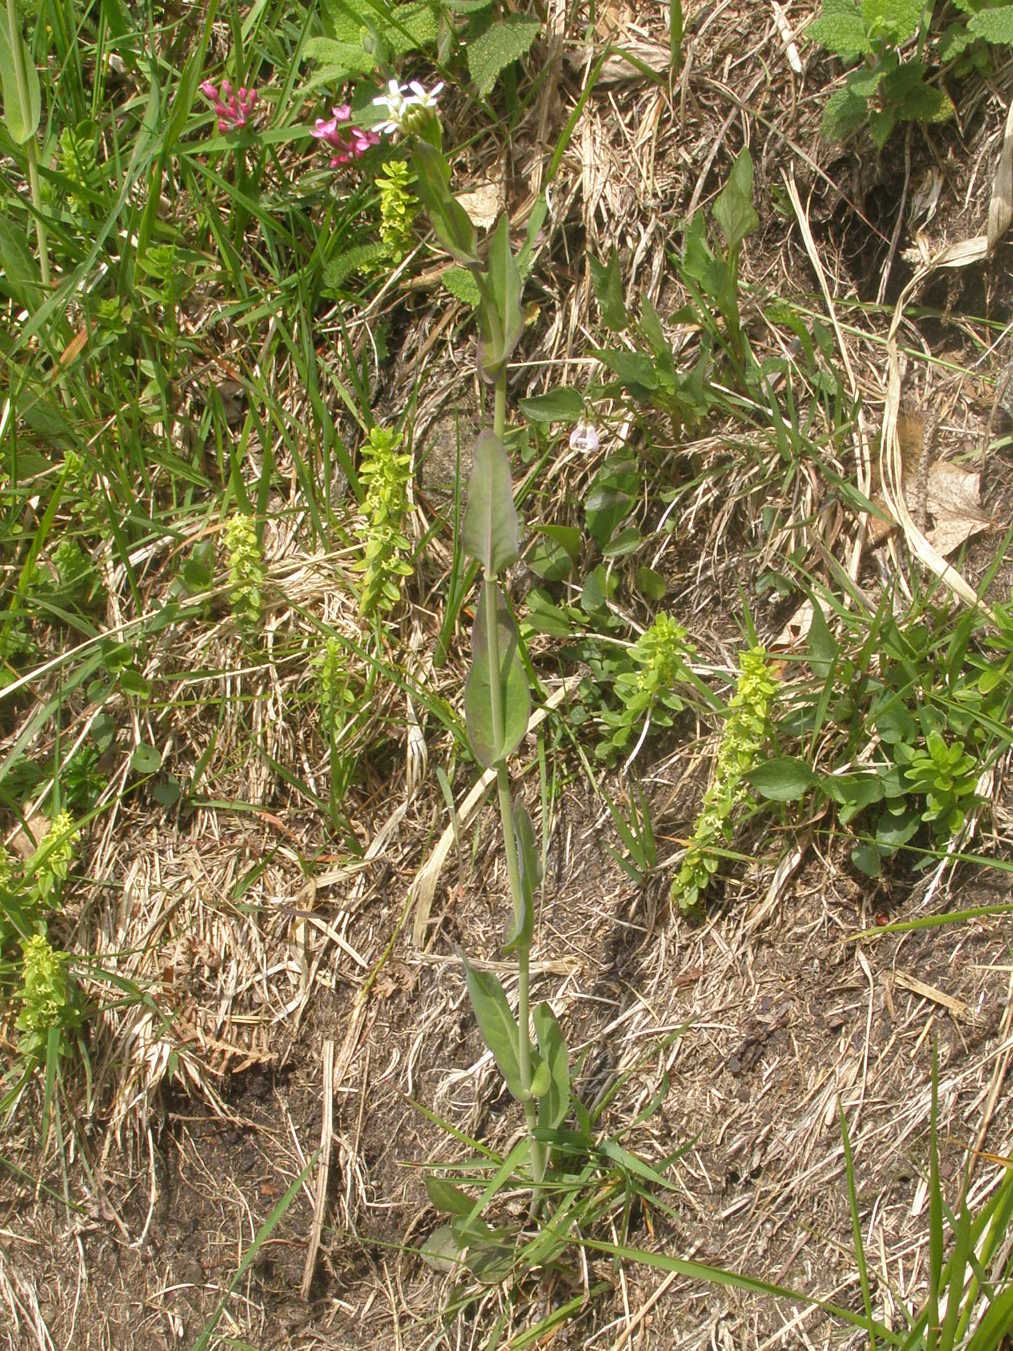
(506, 812)
(41, 233)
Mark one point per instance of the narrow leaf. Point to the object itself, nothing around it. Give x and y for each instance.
(489, 744)
(490, 533)
(608, 288)
(734, 210)
(449, 219)
(448, 1198)
(505, 292)
(529, 864)
(555, 1103)
(20, 82)
(496, 1023)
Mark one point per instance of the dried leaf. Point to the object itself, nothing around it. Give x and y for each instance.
(953, 498)
(483, 204)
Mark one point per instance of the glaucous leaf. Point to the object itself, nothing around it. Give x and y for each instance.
(490, 532)
(490, 744)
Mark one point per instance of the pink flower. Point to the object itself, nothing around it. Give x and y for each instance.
(349, 142)
(232, 109)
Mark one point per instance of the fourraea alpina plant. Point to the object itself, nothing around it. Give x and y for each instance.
(497, 699)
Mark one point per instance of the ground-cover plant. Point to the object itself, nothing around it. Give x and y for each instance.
(928, 705)
(653, 373)
(892, 84)
(885, 88)
(362, 36)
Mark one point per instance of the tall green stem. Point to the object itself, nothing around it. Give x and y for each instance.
(506, 812)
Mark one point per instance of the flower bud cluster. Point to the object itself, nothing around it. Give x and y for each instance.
(232, 109)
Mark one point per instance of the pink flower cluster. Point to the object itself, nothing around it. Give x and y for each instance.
(232, 109)
(349, 142)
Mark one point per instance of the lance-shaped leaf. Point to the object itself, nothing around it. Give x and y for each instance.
(555, 1102)
(494, 738)
(529, 865)
(491, 534)
(448, 1198)
(496, 715)
(20, 81)
(449, 219)
(497, 1025)
(733, 210)
(501, 330)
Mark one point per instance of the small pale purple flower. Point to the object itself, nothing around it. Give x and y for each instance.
(584, 438)
(232, 109)
(349, 142)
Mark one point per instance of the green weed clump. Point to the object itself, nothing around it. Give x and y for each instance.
(246, 569)
(648, 693)
(48, 998)
(744, 734)
(333, 691)
(398, 207)
(387, 472)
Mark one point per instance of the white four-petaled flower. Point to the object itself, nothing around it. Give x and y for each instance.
(399, 98)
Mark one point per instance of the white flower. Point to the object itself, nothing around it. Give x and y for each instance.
(422, 97)
(396, 105)
(399, 98)
(584, 437)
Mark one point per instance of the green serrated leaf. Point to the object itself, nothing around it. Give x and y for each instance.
(411, 27)
(892, 21)
(339, 59)
(359, 258)
(733, 210)
(607, 281)
(502, 42)
(491, 533)
(994, 25)
(488, 746)
(841, 28)
(844, 113)
(462, 285)
(497, 1024)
